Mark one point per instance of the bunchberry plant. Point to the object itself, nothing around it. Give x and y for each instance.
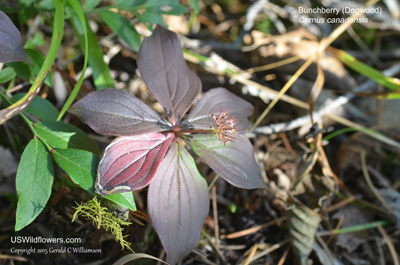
(152, 150)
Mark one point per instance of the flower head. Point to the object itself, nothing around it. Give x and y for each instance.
(150, 150)
(225, 127)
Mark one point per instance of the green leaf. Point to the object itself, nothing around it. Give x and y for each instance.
(150, 12)
(150, 19)
(125, 199)
(39, 107)
(360, 67)
(170, 7)
(23, 70)
(46, 5)
(80, 165)
(26, 3)
(33, 183)
(37, 60)
(37, 40)
(393, 95)
(360, 227)
(194, 5)
(123, 4)
(101, 71)
(7, 74)
(194, 11)
(123, 28)
(61, 135)
(25, 10)
(91, 4)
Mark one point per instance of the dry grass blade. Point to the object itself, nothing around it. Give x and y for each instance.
(11, 258)
(316, 90)
(287, 145)
(283, 258)
(390, 245)
(370, 184)
(244, 80)
(251, 255)
(338, 225)
(140, 215)
(270, 249)
(217, 250)
(213, 182)
(274, 65)
(340, 204)
(306, 166)
(325, 248)
(134, 256)
(215, 213)
(255, 228)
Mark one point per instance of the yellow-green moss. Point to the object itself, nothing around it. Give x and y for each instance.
(103, 218)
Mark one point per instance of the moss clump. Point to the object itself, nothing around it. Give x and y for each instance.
(103, 218)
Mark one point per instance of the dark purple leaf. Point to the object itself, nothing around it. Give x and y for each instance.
(11, 48)
(213, 102)
(114, 112)
(130, 162)
(166, 74)
(234, 162)
(178, 203)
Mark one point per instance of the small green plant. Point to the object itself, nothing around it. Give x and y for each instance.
(102, 218)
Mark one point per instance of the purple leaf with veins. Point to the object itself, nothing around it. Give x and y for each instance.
(177, 198)
(178, 203)
(130, 162)
(166, 74)
(113, 112)
(235, 162)
(213, 102)
(11, 48)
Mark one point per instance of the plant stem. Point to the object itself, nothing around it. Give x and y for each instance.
(194, 131)
(28, 122)
(180, 133)
(79, 12)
